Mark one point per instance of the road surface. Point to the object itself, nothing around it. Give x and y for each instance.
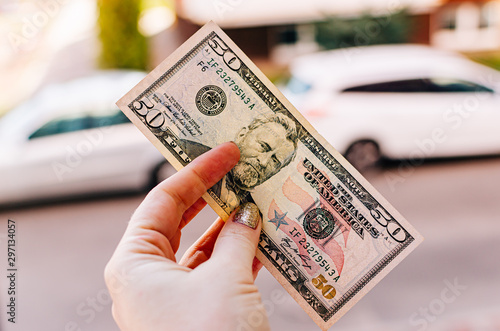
(450, 283)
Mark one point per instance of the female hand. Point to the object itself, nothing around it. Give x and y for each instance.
(212, 287)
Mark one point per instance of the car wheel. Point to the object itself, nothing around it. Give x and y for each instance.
(162, 172)
(363, 154)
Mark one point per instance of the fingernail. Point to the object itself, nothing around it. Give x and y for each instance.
(248, 215)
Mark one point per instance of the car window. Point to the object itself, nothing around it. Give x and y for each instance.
(61, 126)
(107, 120)
(89, 121)
(421, 85)
(452, 85)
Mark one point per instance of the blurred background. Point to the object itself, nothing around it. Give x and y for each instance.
(407, 90)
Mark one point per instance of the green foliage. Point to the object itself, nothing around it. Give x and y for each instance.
(123, 47)
(490, 60)
(366, 30)
(146, 4)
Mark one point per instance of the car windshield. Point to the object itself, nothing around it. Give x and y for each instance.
(77, 123)
(298, 86)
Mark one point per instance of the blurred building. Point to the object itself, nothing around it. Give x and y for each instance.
(466, 25)
(280, 30)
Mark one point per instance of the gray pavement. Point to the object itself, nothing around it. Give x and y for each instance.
(450, 283)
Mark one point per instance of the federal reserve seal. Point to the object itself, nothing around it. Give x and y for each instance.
(211, 100)
(319, 223)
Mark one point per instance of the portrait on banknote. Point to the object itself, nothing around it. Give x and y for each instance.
(267, 144)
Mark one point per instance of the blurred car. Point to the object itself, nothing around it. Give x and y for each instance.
(70, 139)
(399, 102)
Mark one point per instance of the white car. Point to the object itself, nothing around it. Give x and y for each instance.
(71, 139)
(400, 102)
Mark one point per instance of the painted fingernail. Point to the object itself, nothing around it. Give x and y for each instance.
(248, 215)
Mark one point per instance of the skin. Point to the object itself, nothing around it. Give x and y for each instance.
(212, 287)
(263, 152)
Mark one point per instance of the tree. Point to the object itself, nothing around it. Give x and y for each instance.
(122, 46)
(366, 30)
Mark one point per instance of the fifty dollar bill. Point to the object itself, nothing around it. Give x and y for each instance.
(328, 236)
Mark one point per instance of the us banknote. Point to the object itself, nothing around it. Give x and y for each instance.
(327, 235)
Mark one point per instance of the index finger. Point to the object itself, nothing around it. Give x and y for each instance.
(163, 207)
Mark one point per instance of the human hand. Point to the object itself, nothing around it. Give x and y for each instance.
(212, 287)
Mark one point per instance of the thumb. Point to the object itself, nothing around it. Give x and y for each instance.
(237, 242)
